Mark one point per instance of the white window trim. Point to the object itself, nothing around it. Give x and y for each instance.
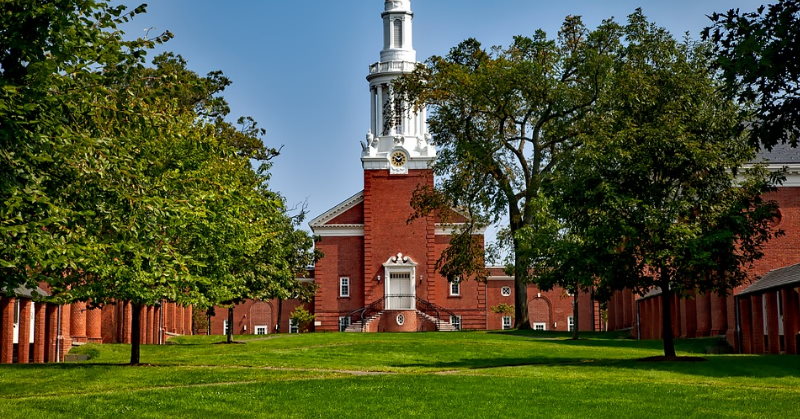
(458, 320)
(341, 320)
(263, 327)
(457, 283)
(506, 323)
(544, 326)
(294, 325)
(502, 292)
(344, 284)
(570, 323)
(224, 326)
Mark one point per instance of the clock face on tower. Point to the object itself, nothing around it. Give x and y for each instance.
(398, 159)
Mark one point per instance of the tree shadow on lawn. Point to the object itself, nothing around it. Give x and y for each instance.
(719, 366)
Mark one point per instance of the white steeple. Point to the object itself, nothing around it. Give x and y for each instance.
(408, 132)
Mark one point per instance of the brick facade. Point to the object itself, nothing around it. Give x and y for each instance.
(769, 322)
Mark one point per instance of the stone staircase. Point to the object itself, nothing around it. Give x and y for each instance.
(441, 325)
(361, 326)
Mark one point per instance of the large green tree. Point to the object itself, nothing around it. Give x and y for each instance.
(656, 196)
(759, 57)
(502, 119)
(123, 182)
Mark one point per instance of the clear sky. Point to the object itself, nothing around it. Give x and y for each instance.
(299, 67)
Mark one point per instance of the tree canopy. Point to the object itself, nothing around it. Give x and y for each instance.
(502, 119)
(655, 197)
(122, 181)
(759, 57)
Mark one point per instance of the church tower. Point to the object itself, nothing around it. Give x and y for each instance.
(397, 139)
(376, 262)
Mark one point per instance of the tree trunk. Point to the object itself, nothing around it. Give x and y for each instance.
(521, 320)
(280, 310)
(666, 318)
(575, 314)
(136, 335)
(229, 332)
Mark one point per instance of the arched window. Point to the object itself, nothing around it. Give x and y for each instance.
(398, 33)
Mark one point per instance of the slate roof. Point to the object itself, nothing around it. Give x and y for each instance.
(776, 278)
(780, 154)
(26, 292)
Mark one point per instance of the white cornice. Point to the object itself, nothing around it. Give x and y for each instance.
(500, 278)
(339, 230)
(792, 173)
(447, 229)
(337, 210)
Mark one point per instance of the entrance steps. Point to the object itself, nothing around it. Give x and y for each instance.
(441, 325)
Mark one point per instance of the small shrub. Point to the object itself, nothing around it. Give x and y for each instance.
(303, 318)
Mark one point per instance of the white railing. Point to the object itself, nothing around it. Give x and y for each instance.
(389, 66)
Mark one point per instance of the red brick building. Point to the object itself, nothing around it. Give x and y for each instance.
(378, 272)
(33, 331)
(760, 316)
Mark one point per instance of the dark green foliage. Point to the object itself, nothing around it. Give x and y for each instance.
(501, 119)
(121, 181)
(655, 196)
(759, 55)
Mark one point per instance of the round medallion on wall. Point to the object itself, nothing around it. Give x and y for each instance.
(401, 319)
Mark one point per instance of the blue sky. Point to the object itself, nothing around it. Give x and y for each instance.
(299, 67)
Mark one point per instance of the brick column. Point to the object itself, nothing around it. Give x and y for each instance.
(644, 319)
(169, 317)
(659, 324)
(746, 325)
(179, 319)
(78, 321)
(689, 317)
(757, 305)
(719, 315)
(703, 307)
(24, 345)
(148, 336)
(773, 337)
(156, 324)
(127, 322)
(143, 325)
(94, 325)
(66, 338)
(6, 330)
(39, 332)
(791, 319)
(618, 310)
(51, 339)
(187, 318)
(676, 316)
(627, 308)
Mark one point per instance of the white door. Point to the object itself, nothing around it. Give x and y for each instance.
(400, 295)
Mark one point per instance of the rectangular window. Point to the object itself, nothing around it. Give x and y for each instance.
(260, 330)
(455, 287)
(506, 322)
(293, 328)
(456, 322)
(225, 327)
(344, 321)
(344, 286)
(540, 326)
(570, 323)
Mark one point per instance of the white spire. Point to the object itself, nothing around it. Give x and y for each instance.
(408, 133)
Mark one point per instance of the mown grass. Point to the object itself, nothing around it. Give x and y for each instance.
(469, 374)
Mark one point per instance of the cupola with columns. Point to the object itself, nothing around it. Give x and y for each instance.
(403, 142)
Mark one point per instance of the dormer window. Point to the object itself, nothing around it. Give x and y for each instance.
(397, 33)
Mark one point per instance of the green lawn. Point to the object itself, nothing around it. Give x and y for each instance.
(466, 374)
